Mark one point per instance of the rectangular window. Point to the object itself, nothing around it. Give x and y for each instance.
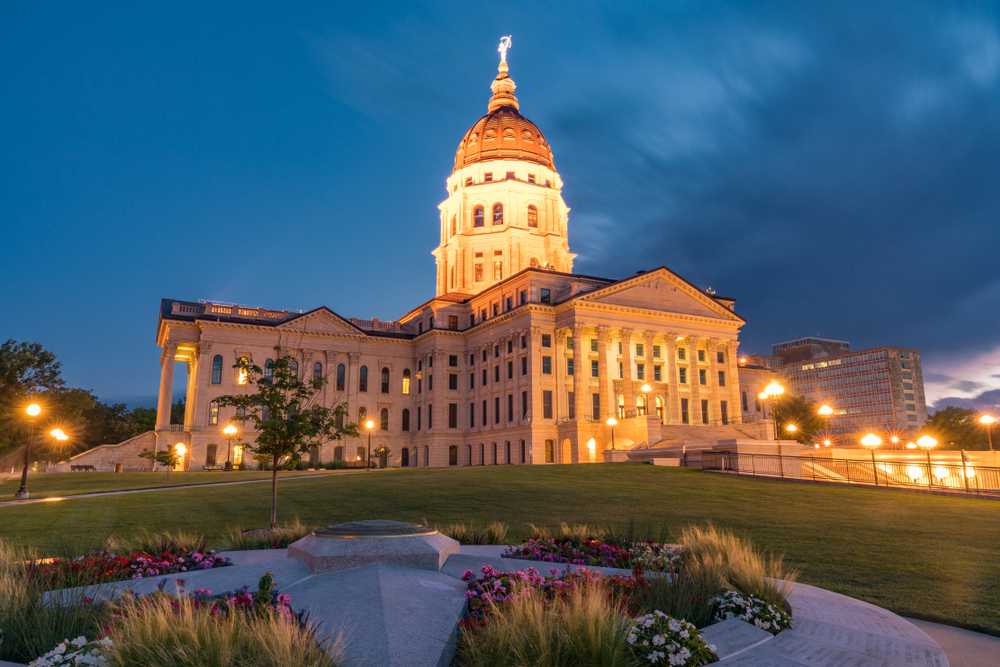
(418, 418)
(496, 373)
(430, 416)
(524, 342)
(453, 415)
(911, 418)
(619, 348)
(569, 366)
(472, 380)
(571, 404)
(453, 382)
(472, 414)
(510, 303)
(701, 377)
(531, 178)
(683, 372)
(906, 376)
(546, 296)
(547, 365)
(468, 180)
(524, 404)
(905, 365)
(682, 353)
(656, 351)
(640, 372)
(593, 345)
(722, 378)
(479, 273)
(596, 406)
(724, 411)
(472, 359)
(420, 385)
(498, 270)
(453, 322)
(704, 411)
(482, 314)
(496, 308)
(522, 297)
(569, 343)
(640, 350)
(510, 347)
(657, 373)
(484, 413)
(524, 365)
(488, 177)
(904, 355)
(908, 397)
(510, 370)
(510, 176)
(594, 368)
(496, 409)
(213, 413)
(485, 378)
(484, 355)
(453, 360)
(547, 405)
(546, 340)
(911, 408)
(701, 355)
(685, 418)
(510, 407)
(720, 357)
(621, 371)
(430, 383)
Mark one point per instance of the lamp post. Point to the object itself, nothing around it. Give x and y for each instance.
(612, 422)
(645, 389)
(33, 411)
(988, 422)
(871, 441)
(369, 425)
(773, 391)
(230, 431)
(927, 443)
(825, 411)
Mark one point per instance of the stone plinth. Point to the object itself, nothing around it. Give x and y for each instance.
(361, 543)
(665, 462)
(615, 456)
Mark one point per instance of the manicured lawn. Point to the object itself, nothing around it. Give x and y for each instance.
(922, 556)
(45, 485)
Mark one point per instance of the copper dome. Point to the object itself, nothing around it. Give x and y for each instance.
(503, 133)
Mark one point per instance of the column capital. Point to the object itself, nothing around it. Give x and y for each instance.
(578, 328)
(354, 357)
(439, 353)
(602, 333)
(169, 352)
(204, 348)
(714, 342)
(626, 334)
(331, 356)
(649, 337)
(534, 332)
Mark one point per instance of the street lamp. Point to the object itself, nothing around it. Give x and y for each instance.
(369, 425)
(645, 389)
(871, 441)
(927, 443)
(33, 411)
(773, 391)
(59, 435)
(612, 422)
(988, 422)
(791, 428)
(230, 431)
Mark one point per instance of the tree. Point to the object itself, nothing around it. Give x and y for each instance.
(381, 454)
(285, 413)
(144, 419)
(26, 370)
(177, 411)
(803, 414)
(958, 428)
(169, 458)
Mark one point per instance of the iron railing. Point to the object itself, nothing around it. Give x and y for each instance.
(964, 477)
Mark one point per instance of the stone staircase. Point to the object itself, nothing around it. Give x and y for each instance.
(687, 442)
(104, 457)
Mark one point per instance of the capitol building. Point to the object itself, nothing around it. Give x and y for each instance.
(516, 359)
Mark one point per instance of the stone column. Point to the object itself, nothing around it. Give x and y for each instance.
(199, 410)
(307, 372)
(693, 381)
(714, 407)
(190, 397)
(330, 374)
(670, 368)
(352, 405)
(649, 337)
(735, 404)
(167, 359)
(535, 363)
(604, 386)
(440, 385)
(581, 377)
(627, 371)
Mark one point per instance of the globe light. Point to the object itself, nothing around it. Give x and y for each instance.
(827, 443)
(762, 396)
(894, 439)
(927, 442)
(871, 441)
(970, 472)
(180, 448)
(229, 430)
(774, 389)
(612, 421)
(791, 428)
(911, 445)
(369, 424)
(987, 420)
(646, 387)
(743, 360)
(59, 435)
(825, 411)
(33, 410)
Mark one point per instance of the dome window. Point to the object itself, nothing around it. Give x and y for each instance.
(527, 135)
(532, 216)
(511, 176)
(497, 214)
(531, 178)
(468, 180)
(508, 133)
(488, 177)
(478, 215)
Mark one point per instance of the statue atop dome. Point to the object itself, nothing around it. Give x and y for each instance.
(504, 45)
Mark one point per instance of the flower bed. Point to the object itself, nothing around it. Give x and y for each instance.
(657, 638)
(733, 604)
(593, 552)
(104, 566)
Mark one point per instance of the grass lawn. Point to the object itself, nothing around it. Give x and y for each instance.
(45, 485)
(927, 557)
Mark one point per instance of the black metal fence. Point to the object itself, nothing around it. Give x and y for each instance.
(962, 477)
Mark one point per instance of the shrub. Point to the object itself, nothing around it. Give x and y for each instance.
(495, 533)
(155, 543)
(736, 564)
(279, 538)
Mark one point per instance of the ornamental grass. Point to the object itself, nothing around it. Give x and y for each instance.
(583, 628)
(494, 533)
(239, 539)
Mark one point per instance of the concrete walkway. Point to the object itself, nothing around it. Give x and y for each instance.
(29, 501)
(964, 648)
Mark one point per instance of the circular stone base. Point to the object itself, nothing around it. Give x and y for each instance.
(360, 543)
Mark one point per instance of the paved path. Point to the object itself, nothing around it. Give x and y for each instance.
(964, 648)
(29, 501)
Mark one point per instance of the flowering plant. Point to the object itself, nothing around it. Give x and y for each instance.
(659, 639)
(105, 566)
(76, 652)
(733, 604)
(590, 552)
(654, 557)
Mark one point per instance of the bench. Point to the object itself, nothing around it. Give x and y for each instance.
(212, 467)
(82, 468)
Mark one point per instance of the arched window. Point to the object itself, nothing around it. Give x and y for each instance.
(756, 405)
(532, 216)
(497, 214)
(482, 455)
(452, 455)
(640, 405)
(241, 412)
(427, 455)
(338, 419)
(338, 453)
(269, 370)
(362, 413)
(550, 451)
(533, 263)
(340, 377)
(213, 413)
(621, 406)
(659, 407)
(241, 372)
(265, 413)
(406, 419)
(383, 420)
(744, 400)
(508, 452)
(385, 380)
(317, 372)
(362, 454)
(405, 458)
(217, 369)
(478, 215)
(293, 367)
(237, 455)
(454, 225)
(494, 453)
(210, 455)
(363, 379)
(406, 381)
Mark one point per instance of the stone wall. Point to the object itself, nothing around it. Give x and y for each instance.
(104, 457)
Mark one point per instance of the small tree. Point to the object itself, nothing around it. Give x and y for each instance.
(285, 413)
(382, 454)
(169, 458)
(803, 414)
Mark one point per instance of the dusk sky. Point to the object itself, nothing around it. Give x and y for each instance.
(833, 167)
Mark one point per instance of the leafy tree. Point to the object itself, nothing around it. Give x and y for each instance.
(168, 458)
(803, 414)
(382, 455)
(177, 411)
(107, 425)
(958, 428)
(26, 370)
(286, 415)
(144, 419)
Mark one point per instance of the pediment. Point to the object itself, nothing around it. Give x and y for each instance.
(321, 320)
(663, 291)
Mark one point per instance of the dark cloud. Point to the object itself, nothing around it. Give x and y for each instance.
(987, 401)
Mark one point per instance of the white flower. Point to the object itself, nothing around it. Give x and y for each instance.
(658, 640)
(631, 638)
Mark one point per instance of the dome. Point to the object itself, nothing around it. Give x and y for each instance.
(503, 133)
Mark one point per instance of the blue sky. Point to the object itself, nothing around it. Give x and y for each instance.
(834, 167)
